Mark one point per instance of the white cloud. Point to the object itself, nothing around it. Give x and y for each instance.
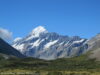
(5, 34)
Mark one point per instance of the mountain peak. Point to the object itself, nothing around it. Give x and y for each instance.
(44, 45)
(38, 30)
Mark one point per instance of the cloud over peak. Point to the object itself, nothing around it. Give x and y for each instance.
(5, 34)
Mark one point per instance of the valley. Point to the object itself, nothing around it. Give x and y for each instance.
(64, 66)
(43, 53)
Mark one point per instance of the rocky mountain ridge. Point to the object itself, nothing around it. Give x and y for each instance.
(46, 45)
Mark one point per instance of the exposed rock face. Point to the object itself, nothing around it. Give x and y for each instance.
(44, 45)
(94, 46)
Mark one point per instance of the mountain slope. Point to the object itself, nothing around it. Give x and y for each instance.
(6, 49)
(94, 46)
(45, 45)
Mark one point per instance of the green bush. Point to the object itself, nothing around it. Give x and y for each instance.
(54, 73)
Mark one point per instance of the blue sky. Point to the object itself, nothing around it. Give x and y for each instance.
(66, 17)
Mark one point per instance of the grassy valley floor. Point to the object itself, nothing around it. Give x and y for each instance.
(64, 66)
(41, 72)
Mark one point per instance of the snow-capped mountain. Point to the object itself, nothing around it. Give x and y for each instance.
(46, 45)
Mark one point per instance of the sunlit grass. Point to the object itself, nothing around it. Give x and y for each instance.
(41, 72)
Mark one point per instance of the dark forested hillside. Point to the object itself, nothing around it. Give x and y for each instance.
(5, 48)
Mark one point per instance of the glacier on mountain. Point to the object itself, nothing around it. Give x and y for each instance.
(48, 45)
